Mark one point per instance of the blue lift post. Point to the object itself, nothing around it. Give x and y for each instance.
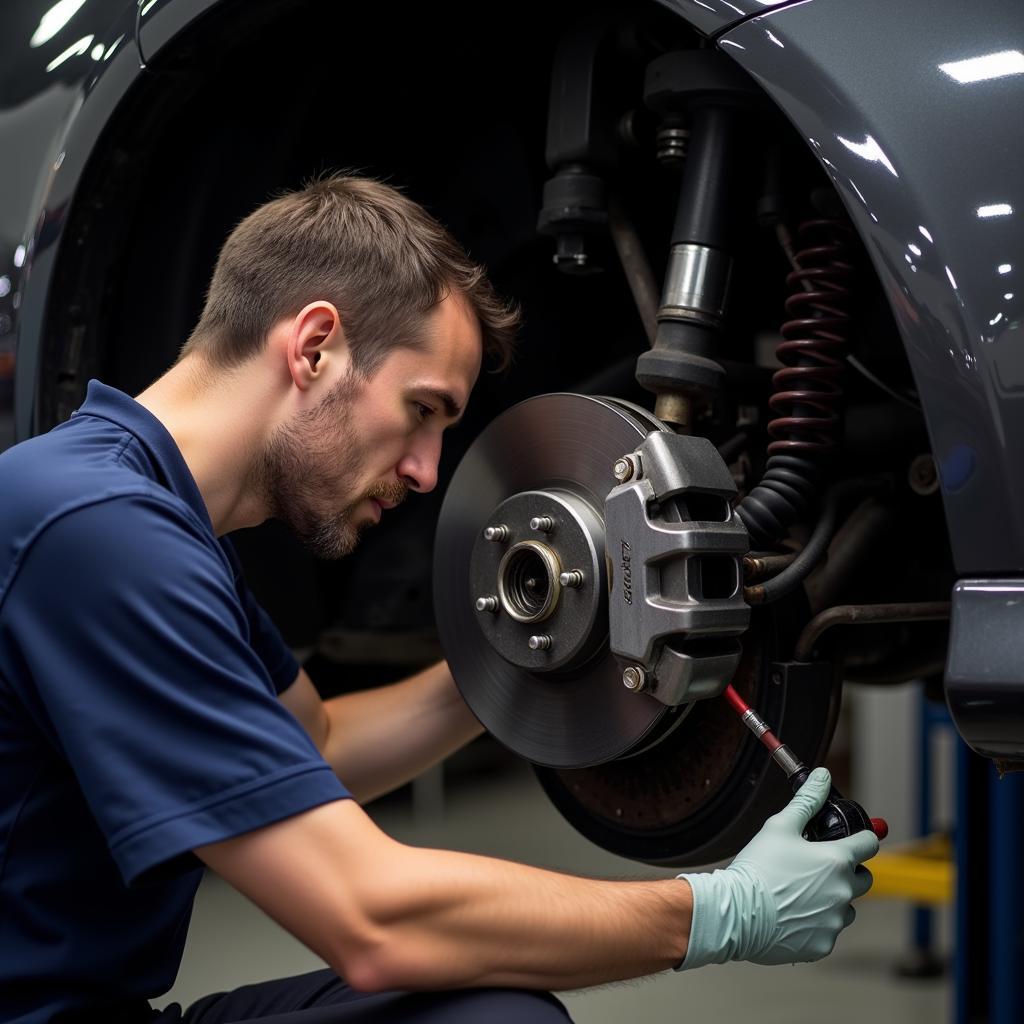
(923, 961)
(989, 893)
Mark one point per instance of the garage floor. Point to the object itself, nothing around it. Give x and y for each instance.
(505, 813)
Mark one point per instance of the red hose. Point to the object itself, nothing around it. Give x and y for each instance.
(736, 700)
(767, 737)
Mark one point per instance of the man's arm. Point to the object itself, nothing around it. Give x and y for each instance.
(384, 915)
(376, 740)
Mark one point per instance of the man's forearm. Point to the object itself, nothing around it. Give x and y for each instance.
(458, 920)
(386, 915)
(379, 739)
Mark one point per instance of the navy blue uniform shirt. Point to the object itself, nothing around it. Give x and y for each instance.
(138, 713)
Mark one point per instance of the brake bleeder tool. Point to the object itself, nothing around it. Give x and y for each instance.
(840, 816)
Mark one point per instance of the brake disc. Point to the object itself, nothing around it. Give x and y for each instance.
(551, 456)
(522, 573)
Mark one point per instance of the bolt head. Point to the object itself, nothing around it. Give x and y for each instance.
(634, 678)
(623, 470)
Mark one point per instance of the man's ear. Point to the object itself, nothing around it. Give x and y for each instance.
(315, 338)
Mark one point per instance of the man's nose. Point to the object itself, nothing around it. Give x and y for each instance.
(418, 468)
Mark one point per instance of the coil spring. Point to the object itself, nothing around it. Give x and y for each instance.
(808, 389)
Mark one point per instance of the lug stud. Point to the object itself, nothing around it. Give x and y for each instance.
(541, 642)
(496, 533)
(572, 578)
(543, 524)
(634, 678)
(487, 604)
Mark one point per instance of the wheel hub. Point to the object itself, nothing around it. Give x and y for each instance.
(527, 614)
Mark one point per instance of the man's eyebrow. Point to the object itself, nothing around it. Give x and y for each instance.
(452, 408)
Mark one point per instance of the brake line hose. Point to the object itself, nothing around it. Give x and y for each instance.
(812, 552)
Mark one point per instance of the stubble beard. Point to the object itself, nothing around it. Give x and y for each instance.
(299, 466)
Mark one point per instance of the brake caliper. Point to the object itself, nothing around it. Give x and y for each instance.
(675, 547)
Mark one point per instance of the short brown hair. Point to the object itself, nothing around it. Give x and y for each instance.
(361, 244)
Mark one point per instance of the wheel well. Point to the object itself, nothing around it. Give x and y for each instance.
(256, 97)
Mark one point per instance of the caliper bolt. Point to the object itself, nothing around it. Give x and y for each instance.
(486, 604)
(626, 468)
(496, 533)
(541, 642)
(543, 524)
(634, 678)
(572, 578)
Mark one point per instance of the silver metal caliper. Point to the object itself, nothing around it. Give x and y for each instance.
(676, 605)
(583, 546)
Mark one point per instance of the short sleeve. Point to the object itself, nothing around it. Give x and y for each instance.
(132, 644)
(264, 637)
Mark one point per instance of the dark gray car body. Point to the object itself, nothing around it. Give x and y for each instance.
(913, 111)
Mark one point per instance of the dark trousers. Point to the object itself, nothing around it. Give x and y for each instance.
(323, 998)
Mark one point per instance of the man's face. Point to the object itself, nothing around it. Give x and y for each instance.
(332, 470)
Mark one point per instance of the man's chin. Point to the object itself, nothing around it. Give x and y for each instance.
(333, 542)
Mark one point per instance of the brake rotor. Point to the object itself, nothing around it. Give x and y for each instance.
(563, 706)
(700, 794)
(529, 649)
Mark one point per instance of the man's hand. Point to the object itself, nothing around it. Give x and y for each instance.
(783, 899)
(376, 740)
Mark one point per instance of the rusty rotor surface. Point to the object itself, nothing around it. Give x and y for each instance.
(701, 793)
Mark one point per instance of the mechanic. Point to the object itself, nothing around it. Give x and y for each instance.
(152, 720)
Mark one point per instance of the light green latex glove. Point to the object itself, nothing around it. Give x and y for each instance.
(783, 899)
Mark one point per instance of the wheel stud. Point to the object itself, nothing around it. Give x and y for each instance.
(496, 533)
(541, 642)
(486, 604)
(573, 578)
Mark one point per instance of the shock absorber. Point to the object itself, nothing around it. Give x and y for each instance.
(708, 93)
(808, 390)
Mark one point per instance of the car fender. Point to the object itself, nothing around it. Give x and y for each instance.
(929, 167)
(913, 119)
